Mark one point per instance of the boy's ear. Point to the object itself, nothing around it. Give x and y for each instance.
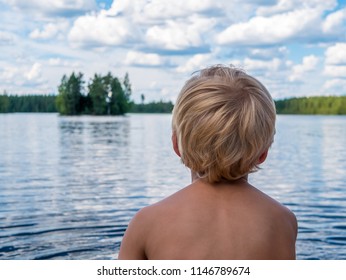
(263, 157)
(175, 144)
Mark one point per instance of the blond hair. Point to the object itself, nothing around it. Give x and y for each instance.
(224, 120)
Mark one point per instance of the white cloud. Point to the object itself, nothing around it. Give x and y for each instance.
(335, 62)
(187, 24)
(8, 73)
(337, 86)
(57, 61)
(143, 59)
(284, 6)
(195, 63)
(335, 22)
(268, 53)
(154, 25)
(266, 37)
(179, 35)
(22, 75)
(35, 72)
(146, 11)
(336, 54)
(309, 64)
(54, 7)
(6, 38)
(158, 9)
(335, 71)
(101, 30)
(275, 29)
(49, 30)
(262, 65)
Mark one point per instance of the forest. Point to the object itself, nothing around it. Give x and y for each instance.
(47, 104)
(108, 95)
(152, 107)
(316, 105)
(27, 103)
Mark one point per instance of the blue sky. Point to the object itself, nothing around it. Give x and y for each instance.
(295, 47)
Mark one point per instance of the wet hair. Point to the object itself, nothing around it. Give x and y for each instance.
(224, 120)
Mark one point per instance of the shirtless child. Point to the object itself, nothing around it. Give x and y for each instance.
(223, 126)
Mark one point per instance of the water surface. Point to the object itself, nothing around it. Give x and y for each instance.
(70, 185)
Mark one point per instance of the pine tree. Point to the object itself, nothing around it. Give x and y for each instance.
(69, 100)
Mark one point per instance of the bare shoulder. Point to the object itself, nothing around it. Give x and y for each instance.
(286, 235)
(133, 243)
(274, 209)
(140, 230)
(280, 212)
(281, 226)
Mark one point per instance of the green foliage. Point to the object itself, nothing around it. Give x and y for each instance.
(119, 102)
(152, 107)
(27, 103)
(108, 96)
(4, 103)
(69, 100)
(127, 86)
(321, 105)
(105, 95)
(97, 94)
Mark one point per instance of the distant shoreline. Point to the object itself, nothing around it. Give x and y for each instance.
(316, 105)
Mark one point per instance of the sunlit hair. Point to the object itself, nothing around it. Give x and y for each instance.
(224, 120)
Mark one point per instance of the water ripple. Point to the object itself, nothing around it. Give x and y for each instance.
(70, 185)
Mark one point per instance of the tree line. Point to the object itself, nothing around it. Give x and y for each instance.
(317, 105)
(27, 103)
(47, 104)
(99, 101)
(152, 107)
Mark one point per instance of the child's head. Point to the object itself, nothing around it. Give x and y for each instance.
(224, 121)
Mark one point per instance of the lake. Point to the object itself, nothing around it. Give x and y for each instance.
(70, 185)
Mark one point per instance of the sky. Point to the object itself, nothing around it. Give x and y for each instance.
(294, 47)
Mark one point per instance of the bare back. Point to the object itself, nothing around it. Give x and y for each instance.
(203, 221)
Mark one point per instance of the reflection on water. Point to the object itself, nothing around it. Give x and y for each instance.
(69, 185)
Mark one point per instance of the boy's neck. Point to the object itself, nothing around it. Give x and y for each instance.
(195, 177)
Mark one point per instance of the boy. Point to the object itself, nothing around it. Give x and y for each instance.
(223, 125)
